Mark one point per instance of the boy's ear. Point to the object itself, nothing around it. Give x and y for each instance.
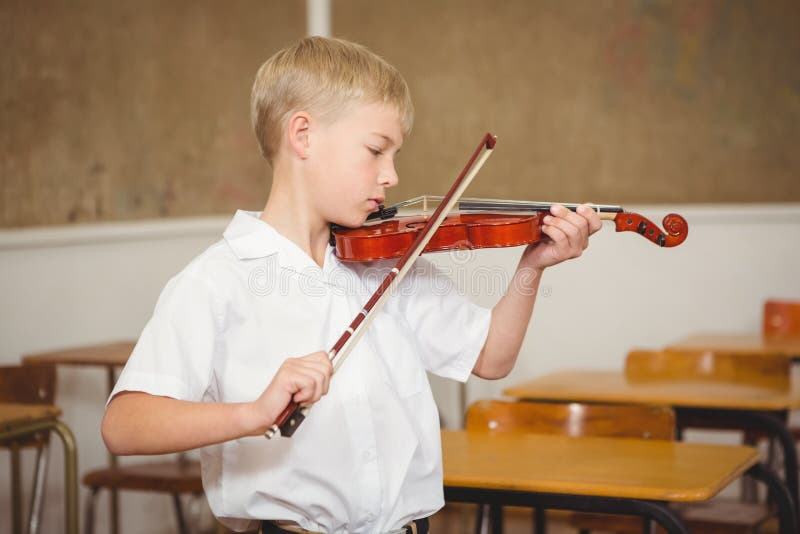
(297, 133)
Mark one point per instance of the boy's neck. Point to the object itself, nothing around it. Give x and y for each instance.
(290, 213)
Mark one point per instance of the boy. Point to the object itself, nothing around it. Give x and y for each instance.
(214, 367)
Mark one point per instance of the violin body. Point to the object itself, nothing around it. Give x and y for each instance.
(391, 238)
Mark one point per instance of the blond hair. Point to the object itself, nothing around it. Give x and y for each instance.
(322, 75)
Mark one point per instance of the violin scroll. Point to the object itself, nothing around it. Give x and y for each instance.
(676, 228)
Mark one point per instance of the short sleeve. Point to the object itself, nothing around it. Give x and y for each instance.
(175, 353)
(450, 330)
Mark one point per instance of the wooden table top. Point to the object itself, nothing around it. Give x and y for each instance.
(106, 355)
(12, 415)
(614, 386)
(608, 467)
(742, 343)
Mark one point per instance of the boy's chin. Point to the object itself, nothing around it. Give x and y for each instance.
(351, 222)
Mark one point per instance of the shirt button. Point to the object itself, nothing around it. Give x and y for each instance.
(367, 455)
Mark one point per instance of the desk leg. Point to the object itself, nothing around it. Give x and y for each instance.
(778, 491)
(16, 490)
(70, 464)
(111, 379)
(741, 420)
(659, 512)
(540, 521)
(70, 475)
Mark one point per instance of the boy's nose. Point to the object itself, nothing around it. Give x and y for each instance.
(388, 178)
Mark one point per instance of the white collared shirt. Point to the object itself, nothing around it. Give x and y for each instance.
(368, 457)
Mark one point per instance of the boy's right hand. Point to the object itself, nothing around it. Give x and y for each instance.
(303, 380)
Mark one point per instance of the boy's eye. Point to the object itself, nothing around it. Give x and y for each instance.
(375, 151)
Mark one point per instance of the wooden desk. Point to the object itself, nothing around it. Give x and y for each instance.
(742, 343)
(22, 420)
(696, 403)
(109, 356)
(611, 475)
(614, 386)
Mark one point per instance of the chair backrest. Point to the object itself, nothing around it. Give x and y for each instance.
(761, 370)
(781, 319)
(572, 419)
(28, 384)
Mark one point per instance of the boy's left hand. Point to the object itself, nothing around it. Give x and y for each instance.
(566, 236)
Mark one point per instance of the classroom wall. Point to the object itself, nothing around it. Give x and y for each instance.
(121, 111)
(83, 284)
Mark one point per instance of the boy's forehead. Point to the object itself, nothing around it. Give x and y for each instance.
(377, 118)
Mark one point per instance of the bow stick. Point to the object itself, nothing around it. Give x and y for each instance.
(294, 414)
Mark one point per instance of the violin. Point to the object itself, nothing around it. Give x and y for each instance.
(480, 223)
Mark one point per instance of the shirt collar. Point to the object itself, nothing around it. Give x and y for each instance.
(249, 237)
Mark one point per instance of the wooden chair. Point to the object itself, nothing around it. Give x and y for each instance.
(781, 319)
(572, 419)
(764, 370)
(167, 476)
(28, 385)
(605, 420)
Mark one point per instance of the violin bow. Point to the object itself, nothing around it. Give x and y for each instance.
(294, 414)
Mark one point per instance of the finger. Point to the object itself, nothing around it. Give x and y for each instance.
(559, 246)
(572, 233)
(309, 377)
(593, 218)
(319, 356)
(318, 378)
(321, 372)
(303, 386)
(572, 216)
(579, 220)
(301, 379)
(324, 366)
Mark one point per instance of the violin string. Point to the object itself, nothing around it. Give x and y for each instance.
(484, 204)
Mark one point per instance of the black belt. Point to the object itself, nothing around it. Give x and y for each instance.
(420, 526)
